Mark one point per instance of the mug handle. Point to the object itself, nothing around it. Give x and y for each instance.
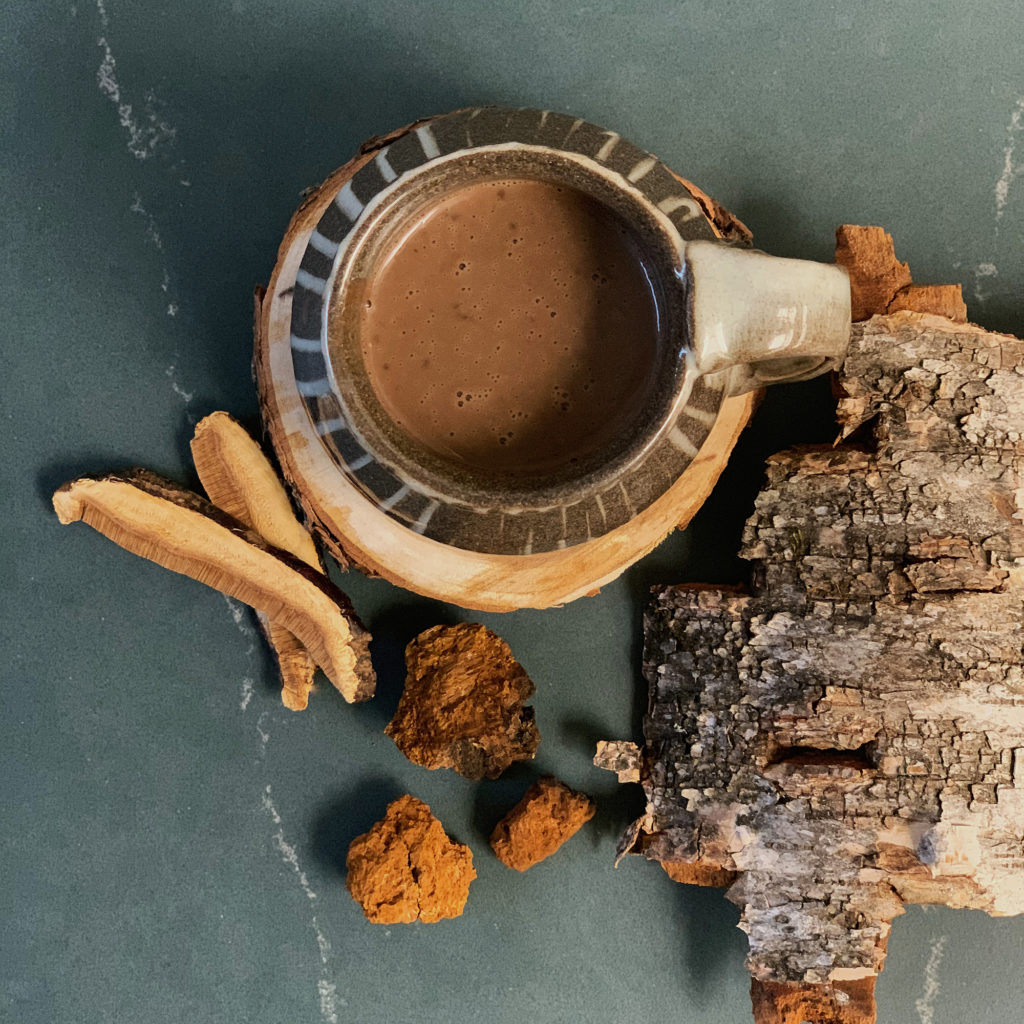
(763, 319)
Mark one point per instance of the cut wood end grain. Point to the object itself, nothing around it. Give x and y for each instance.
(156, 519)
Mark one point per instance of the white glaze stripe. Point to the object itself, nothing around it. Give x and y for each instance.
(395, 498)
(347, 201)
(702, 416)
(428, 142)
(324, 245)
(421, 524)
(681, 441)
(642, 169)
(626, 498)
(330, 426)
(674, 203)
(304, 279)
(387, 172)
(313, 388)
(606, 150)
(305, 344)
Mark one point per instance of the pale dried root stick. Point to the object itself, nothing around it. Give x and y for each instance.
(239, 480)
(156, 519)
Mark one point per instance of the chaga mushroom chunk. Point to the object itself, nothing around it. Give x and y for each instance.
(406, 868)
(462, 706)
(549, 814)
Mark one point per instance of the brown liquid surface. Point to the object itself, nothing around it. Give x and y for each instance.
(513, 328)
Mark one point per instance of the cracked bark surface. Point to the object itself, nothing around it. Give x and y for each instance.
(847, 735)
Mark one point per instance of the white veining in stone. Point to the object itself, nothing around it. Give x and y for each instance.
(925, 1006)
(1011, 169)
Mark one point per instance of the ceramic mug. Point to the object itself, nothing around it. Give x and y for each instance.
(732, 320)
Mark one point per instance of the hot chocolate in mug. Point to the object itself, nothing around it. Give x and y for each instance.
(513, 330)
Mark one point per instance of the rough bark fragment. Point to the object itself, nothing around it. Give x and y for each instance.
(851, 1002)
(623, 758)
(239, 480)
(406, 868)
(462, 707)
(697, 873)
(848, 736)
(875, 273)
(156, 519)
(941, 299)
(547, 817)
(880, 284)
(726, 223)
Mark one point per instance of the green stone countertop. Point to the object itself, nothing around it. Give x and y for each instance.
(173, 839)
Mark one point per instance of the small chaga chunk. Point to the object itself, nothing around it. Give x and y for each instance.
(462, 706)
(406, 868)
(547, 816)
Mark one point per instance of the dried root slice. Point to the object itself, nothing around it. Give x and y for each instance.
(156, 519)
(240, 480)
(295, 664)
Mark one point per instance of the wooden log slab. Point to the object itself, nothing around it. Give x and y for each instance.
(356, 532)
(846, 735)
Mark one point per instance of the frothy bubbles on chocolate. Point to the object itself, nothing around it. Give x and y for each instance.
(513, 328)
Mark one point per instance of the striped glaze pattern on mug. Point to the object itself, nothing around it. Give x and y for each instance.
(477, 525)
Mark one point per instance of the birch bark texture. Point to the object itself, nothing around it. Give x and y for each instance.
(846, 735)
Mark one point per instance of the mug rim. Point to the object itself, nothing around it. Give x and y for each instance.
(400, 451)
(539, 519)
